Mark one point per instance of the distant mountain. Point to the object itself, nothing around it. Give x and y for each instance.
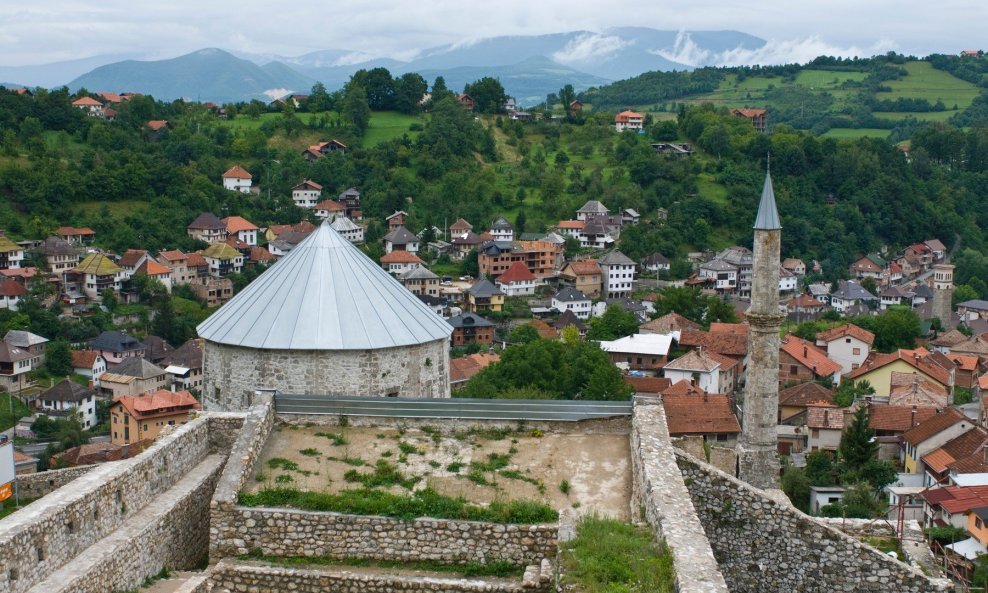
(207, 75)
(57, 73)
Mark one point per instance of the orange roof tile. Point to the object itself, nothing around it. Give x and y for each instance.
(806, 394)
(173, 255)
(571, 224)
(86, 102)
(401, 257)
(465, 367)
(934, 426)
(808, 355)
(152, 268)
(648, 384)
(235, 224)
(738, 329)
(914, 358)
(889, 418)
(196, 260)
(722, 343)
(964, 362)
(546, 331)
(84, 359)
(12, 288)
(848, 329)
(158, 403)
(826, 416)
(236, 172)
(131, 257)
(156, 125)
(517, 272)
(683, 387)
(700, 414)
(585, 267)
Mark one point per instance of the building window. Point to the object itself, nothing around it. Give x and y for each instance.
(793, 369)
(855, 351)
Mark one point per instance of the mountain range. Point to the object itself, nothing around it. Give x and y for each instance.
(529, 67)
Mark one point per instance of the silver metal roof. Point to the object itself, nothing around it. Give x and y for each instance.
(768, 215)
(324, 295)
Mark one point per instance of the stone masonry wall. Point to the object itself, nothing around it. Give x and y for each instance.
(287, 532)
(230, 576)
(762, 545)
(658, 491)
(232, 373)
(44, 483)
(51, 531)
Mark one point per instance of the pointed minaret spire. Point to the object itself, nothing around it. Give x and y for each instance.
(768, 214)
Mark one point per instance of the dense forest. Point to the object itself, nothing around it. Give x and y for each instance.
(838, 198)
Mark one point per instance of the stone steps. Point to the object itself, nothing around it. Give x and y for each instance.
(123, 547)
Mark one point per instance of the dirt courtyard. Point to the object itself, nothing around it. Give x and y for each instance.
(578, 471)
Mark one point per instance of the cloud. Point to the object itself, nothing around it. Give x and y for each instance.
(590, 45)
(775, 51)
(277, 93)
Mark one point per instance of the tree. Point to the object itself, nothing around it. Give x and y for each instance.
(850, 391)
(58, 358)
(523, 334)
(470, 266)
(877, 472)
(613, 324)
(409, 90)
(566, 96)
(857, 445)
(380, 87)
(356, 110)
(487, 94)
(820, 469)
(797, 487)
(897, 328)
(319, 99)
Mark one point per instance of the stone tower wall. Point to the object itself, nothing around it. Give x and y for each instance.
(233, 373)
(943, 292)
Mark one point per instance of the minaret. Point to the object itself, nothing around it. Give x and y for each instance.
(943, 291)
(758, 459)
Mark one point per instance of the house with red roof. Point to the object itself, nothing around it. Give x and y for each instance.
(877, 369)
(950, 505)
(238, 179)
(320, 149)
(153, 269)
(398, 262)
(11, 293)
(930, 435)
(307, 194)
(584, 275)
(463, 369)
(138, 417)
(92, 107)
(824, 425)
(89, 363)
(709, 416)
(960, 456)
(757, 117)
(241, 228)
(848, 345)
(800, 361)
(517, 280)
(629, 120)
(76, 236)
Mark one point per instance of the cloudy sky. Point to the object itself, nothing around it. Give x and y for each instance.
(46, 31)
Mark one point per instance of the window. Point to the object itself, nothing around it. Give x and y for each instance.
(847, 340)
(793, 369)
(856, 351)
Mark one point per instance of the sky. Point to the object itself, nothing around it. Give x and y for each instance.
(47, 31)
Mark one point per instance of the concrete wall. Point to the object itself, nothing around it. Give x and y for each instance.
(51, 531)
(44, 483)
(232, 373)
(762, 544)
(288, 532)
(242, 576)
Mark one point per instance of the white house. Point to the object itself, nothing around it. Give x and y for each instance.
(629, 120)
(329, 210)
(11, 293)
(68, 397)
(696, 368)
(307, 194)
(401, 239)
(787, 280)
(237, 179)
(11, 254)
(241, 228)
(350, 230)
(848, 345)
(848, 294)
(517, 280)
(618, 274)
(399, 262)
(571, 299)
(502, 230)
(639, 351)
(89, 363)
(724, 275)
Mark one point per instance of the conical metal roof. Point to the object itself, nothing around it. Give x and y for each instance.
(768, 215)
(324, 295)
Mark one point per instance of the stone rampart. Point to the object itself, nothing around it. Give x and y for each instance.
(658, 493)
(762, 544)
(913, 544)
(51, 531)
(618, 425)
(288, 532)
(231, 576)
(44, 483)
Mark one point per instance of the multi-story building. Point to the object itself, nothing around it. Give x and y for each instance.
(59, 254)
(618, 275)
(307, 194)
(223, 260)
(93, 276)
(237, 179)
(11, 254)
(469, 328)
(629, 120)
(207, 227)
(542, 258)
(135, 418)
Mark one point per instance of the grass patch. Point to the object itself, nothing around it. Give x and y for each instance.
(455, 467)
(310, 452)
(354, 461)
(282, 463)
(388, 125)
(495, 461)
(885, 544)
(610, 556)
(926, 82)
(337, 439)
(407, 448)
(497, 568)
(425, 503)
(8, 420)
(384, 474)
(855, 133)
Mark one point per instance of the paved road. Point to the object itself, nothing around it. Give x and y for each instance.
(473, 409)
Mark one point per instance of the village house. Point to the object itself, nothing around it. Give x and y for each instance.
(183, 367)
(617, 275)
(94, 275)
(89, 363)
(930, 435)
(911, 389)
(223, 260)
(801, 361)
(350, 199)
(396, 220)
(794, 265)
(155, 271)
(501, 230)
(307, 194)
(329, 210)
(321, 149)
(33, 344)
(945, 341)
(401, 239)
(629, 120)
(704, 415)
(804, 308)
(517, 281)
(484, 296)
(350, 230)
(462, 246)
(60, 256)
(850, 294)
(848, 345)
(90, 106)
(15, 364)
(462, 369)
(950, 506)
(973, 309)
(136, 418)
(400, 262)
(699, 368)
(656, 263)
(470, 328)
(115, 347)
(961, 455)
(211, 290)
(722, 275)
(11, 293)
(966, 369)
(460, 228)
(177, 262)
(592, 209)
(670, 323)
(877, 369)
(133, 376)
(824, 425)
(639, 352)
(76, 236)
(757, 117)
(241, 228)
(541, 258)
(156, 127)
(869, 266)
(238, 179)
(11, 254)
(208, 227)
(420, 281)
(573, 300)
(67, 398)
(156, 348)
(894, 296)
(794, 400)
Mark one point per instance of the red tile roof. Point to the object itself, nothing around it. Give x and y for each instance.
(737, 329)
(683, 387)
(957, 499)
(152, 268)
(722, 343)
(401, 257)
(700, 414)
(130, 257)
(807, 354)
(962, 447)
(260, 254)
(156, 125)
(195, 260)
(935, 426)
(11, 289)
(546, 331)
(571, 224)
(158, 403)
(463, 368)
(86, 102)
(669, 323)
(964, 362)
(806, 394)
(235, 224)
(236, 172)
(517, 272)
(889, 418)
(69, 231)
(585, 267)
(84, 359)
(827, 417)
(652, 385)
(330, 206)
(173, 255)
(848, 329)
(914, 358)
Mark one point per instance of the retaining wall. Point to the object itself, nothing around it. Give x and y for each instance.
(762, 544)
(44, 483)
(51, 531)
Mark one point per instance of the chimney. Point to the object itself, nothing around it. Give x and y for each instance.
(806, 352)
(912, 419)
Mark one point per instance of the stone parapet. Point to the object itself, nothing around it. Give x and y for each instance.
(44, 483)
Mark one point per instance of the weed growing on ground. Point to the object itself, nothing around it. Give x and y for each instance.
(337, 439)
(282, 463)
(310, 452)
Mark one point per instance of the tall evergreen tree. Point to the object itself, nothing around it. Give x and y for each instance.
(856, 445)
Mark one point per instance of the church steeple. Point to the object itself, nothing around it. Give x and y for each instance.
(768, 215)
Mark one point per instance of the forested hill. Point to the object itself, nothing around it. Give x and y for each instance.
(838, 199)
(885, 96)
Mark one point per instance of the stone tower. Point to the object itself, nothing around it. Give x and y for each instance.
(943, 291)
(758, 459)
